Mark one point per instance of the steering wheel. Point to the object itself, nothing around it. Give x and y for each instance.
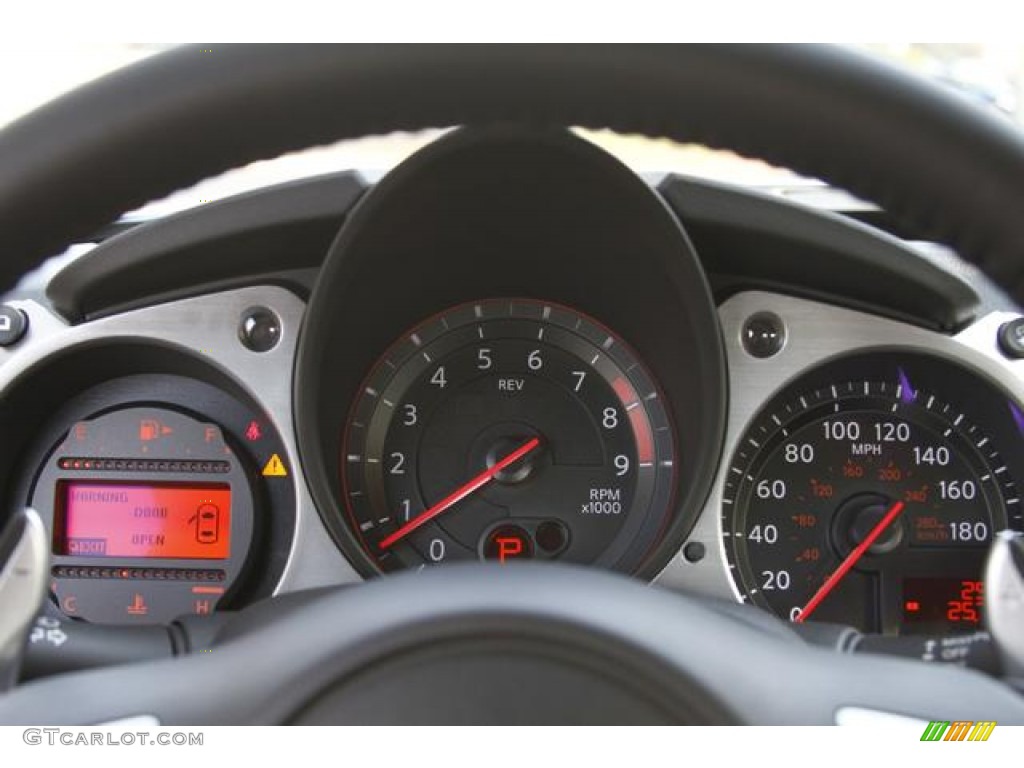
(532, 643)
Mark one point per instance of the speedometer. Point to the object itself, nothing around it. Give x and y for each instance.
(507, 430)
(870, 500)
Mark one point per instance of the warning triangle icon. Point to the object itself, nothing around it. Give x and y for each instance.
(275, 467)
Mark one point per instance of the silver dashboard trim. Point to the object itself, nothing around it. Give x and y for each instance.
(816, 333)
(204, 326)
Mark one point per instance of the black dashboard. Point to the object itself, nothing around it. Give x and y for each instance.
(513, 349)
(516, 349)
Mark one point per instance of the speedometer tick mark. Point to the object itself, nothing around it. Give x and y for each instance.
(737, 470)
(835, 394)
(754, 443)
(803, 401)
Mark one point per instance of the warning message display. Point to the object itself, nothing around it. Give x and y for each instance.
(188, 522)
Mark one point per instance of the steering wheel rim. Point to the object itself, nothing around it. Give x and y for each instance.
(218, 108)
(73, 165)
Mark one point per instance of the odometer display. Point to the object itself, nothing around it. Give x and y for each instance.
(504, 430)
(829, 461)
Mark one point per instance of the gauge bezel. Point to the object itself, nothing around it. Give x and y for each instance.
(817, 333)
(512, 213)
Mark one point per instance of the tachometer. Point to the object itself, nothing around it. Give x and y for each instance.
(505, 430)
(869, 501)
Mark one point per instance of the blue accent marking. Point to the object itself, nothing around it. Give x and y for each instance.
(907, 393)
(1018, 417)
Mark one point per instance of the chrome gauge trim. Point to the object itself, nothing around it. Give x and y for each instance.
(815, 333)
(207, 326)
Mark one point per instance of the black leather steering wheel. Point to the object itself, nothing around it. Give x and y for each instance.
(531, 644)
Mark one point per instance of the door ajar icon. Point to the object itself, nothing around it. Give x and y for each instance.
(207, 519)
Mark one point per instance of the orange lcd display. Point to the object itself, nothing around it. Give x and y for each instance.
(187, 522)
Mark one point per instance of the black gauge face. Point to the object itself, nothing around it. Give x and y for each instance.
(506, 430)
(871, 501)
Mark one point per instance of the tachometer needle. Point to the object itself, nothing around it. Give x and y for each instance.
(462, 492)
(850, 561)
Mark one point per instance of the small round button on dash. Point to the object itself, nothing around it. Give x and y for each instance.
(1011, 338)
(13, 324)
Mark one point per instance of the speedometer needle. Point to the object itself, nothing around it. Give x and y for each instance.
(459, 494)
(849, 562)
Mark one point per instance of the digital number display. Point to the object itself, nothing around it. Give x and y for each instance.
(172, 521)
(949, 603)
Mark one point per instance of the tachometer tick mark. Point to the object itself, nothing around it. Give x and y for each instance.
(354, 458)
(416, 340)
(372, 392)
(595, 359)
(546, 312)
(632, 405)
(366, 526)
(608, 343)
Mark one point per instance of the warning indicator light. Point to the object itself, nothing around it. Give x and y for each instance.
(275, 467)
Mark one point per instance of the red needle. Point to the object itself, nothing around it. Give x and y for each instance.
(849, 562)
(473, 485)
